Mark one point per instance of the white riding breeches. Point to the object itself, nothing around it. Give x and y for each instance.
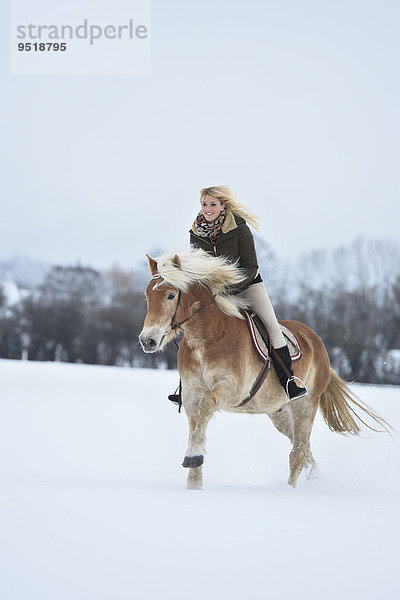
(258, 300)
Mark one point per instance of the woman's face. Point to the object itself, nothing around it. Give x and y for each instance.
(211, 207)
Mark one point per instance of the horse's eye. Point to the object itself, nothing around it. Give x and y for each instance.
(171, 296)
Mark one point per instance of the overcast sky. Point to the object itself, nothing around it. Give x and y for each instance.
(293, 104)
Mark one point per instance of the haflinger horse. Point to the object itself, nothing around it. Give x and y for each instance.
(217, 363)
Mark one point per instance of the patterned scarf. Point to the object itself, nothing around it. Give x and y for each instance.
(211, 230)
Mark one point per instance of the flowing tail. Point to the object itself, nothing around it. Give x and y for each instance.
(337, 404)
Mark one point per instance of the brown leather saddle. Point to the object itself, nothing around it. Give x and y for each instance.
(262, 345)
(260, 338)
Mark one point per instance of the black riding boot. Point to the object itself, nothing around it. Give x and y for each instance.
(283, 367)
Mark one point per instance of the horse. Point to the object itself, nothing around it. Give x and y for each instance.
(217, 363)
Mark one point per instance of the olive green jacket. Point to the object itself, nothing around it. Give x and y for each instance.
(235, 243)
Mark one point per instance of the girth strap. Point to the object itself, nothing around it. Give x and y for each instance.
(257, 384)
(267, 364)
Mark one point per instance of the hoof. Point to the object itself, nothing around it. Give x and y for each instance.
(192, 462)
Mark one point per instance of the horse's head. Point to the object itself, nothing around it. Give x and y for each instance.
(195, 274)
(162, 304)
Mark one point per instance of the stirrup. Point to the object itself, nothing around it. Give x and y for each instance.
(302, 394)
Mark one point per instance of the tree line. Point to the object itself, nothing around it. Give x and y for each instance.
(80, 315)
(350, 297)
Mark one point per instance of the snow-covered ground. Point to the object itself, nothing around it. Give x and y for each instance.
(93, 502)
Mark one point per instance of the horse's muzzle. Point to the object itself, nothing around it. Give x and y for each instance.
(151, 340)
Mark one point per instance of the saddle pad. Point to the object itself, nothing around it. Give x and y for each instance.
(292, 342)
(260, 345)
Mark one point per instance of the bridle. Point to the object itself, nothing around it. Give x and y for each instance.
(175, 325)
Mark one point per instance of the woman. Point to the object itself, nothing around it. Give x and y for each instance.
(220, 228)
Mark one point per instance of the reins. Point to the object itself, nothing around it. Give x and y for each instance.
(174, 324)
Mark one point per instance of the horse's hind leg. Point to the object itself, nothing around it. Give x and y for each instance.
(303, 414)
(284, 422)
(310, 465)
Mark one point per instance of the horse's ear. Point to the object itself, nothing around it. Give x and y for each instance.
(152, 265)
(176, 261)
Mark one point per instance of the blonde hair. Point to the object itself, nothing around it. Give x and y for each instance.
(227, 197)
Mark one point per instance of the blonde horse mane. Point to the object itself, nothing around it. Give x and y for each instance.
(216, 273)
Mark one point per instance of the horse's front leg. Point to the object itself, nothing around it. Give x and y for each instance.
(198, 415)
(194, 457)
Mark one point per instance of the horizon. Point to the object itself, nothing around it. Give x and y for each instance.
(156, 251)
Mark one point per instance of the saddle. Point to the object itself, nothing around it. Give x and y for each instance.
(260, 338)
(261, 342)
